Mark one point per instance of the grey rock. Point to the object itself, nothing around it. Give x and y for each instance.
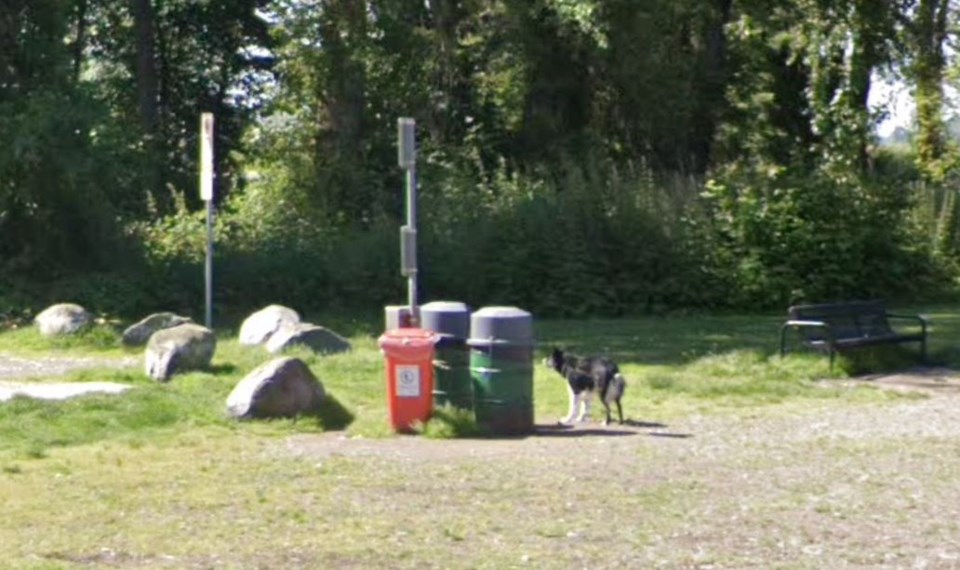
(314, 337)
(138, 334)
(281, 388)
(63, 319)
(261, 325)
(176, 349)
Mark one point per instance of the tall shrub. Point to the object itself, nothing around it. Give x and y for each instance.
(811, 237)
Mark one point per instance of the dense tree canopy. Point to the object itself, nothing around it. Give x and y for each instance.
(673, 152)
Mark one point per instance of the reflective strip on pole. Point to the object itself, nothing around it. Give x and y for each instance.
(206, 156)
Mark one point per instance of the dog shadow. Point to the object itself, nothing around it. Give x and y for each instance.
(562, 430)
(648, 425)
(615, 430)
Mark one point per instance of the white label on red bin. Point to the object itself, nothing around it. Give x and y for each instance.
(408, 381)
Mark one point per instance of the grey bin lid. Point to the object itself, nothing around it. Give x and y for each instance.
(446, 317)
(395, 315)
(508, 324)
(482, 343)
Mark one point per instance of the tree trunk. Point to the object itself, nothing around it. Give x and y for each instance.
(714, 62)
(80, 39)
(867, 44)
(147, 99)
(447, 79)
(930, 32)
(341, 92)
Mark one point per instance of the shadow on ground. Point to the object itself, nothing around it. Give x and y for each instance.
(564, 430)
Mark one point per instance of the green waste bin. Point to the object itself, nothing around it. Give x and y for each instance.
(451, 365)
(501, 368)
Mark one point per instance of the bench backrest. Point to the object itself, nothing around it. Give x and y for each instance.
(855, 319)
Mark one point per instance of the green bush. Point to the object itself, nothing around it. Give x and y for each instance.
(593, 239)
(588, 241)
(63, 189)
(790, 237)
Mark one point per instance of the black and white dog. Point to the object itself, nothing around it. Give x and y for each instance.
(586, 376)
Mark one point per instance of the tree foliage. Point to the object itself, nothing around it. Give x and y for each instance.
(603, 156)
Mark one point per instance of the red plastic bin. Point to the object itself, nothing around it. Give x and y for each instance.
(409, 356)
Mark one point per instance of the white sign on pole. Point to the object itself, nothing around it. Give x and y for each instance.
(406, 142)
(206, 156)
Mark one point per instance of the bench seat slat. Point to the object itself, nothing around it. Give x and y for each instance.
(867, 341)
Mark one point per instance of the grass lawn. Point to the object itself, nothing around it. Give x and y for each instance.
(160, 477)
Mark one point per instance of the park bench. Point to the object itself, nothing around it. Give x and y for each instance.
(835, 327)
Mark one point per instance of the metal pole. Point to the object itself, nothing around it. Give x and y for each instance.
(206, 194)
(412, 224)
(208, 270)
(407, 147)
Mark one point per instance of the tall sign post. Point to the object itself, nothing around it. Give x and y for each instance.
(407, 145)
(206, 193)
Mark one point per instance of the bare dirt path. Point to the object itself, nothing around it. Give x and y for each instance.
(862, 486)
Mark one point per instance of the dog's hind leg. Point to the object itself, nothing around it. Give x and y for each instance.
(619, 413)
(605, 400)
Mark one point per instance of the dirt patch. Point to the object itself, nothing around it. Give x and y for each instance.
(20, 368)
(57, 390)
(16, 373)
(546, 440)
(928, 381)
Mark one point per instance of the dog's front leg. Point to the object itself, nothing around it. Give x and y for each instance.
(574, 406)
(585, 413)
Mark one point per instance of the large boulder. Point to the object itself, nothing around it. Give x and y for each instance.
(63, 319)
(138, 334)
(281, 388)
(314, 337)
(261, 325)
(176, 349)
